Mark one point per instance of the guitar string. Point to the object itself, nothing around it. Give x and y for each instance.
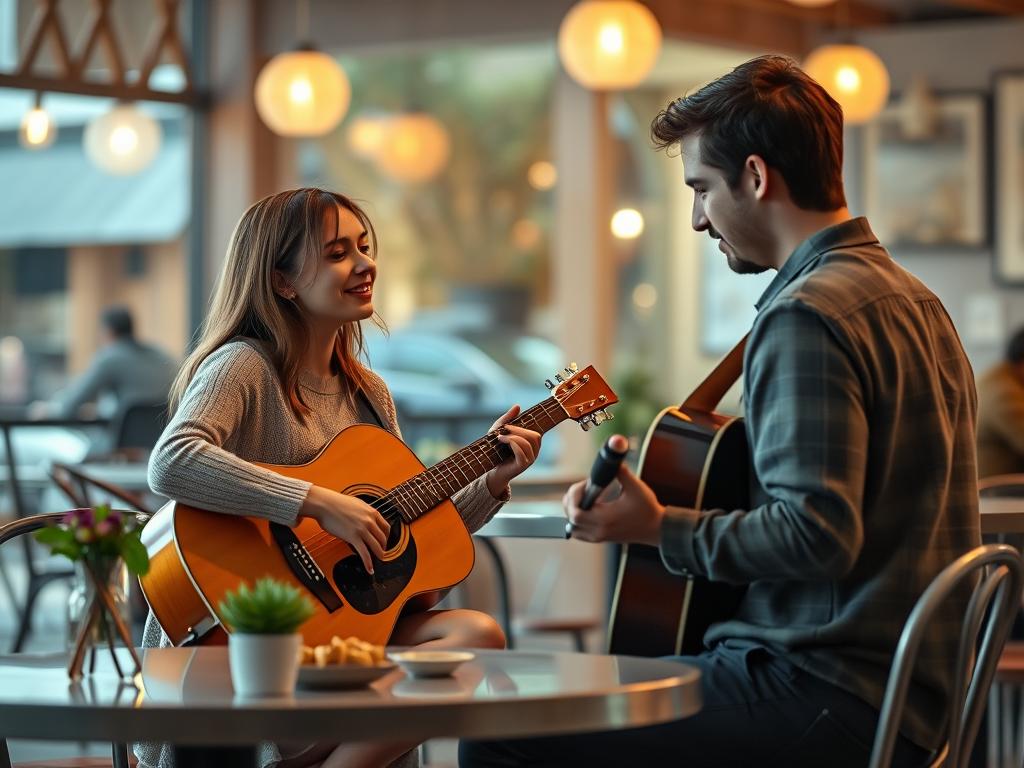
(411, 497)
(406, 496)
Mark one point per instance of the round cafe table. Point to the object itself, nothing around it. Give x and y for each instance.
(186, 699)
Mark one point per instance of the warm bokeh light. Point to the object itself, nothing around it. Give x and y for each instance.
(854, 76)
(415, 148)
(645, 296)
(813, 3)
(609, 44)
(122, 141)
(526, 234)
(366, 134)
(302, 93)
(542, 175)
(37, 129)
(627, 224)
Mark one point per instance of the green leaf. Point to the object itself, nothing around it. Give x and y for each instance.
(135, 556)
(54, 535)
(268, 607)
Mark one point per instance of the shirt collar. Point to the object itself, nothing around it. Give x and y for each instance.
(852, 232)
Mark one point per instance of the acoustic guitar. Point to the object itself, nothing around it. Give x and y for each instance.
(196, 556)
(691, 457)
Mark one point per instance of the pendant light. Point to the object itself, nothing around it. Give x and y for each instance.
(122, 141)
(854, 76)
(415, 147)
(38, 130)
(303, 92)
(609, 44)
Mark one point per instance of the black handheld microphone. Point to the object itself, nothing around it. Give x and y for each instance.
(602, 471)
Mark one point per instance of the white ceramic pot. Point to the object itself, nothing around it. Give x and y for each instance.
(263, 665)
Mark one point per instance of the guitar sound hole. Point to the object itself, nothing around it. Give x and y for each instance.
(390, 513)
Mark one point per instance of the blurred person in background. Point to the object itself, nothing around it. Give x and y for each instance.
(123, 372)
(1001, 413)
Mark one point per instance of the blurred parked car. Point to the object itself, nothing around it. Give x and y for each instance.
(449, 386)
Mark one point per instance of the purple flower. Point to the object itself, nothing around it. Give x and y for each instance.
(80, 518)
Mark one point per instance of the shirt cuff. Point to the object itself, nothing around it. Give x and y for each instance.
(677, 527)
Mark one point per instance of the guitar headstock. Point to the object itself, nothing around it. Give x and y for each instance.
(583, 395)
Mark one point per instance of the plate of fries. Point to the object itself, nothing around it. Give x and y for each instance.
(342, 663)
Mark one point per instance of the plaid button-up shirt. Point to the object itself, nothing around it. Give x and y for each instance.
(860, 414)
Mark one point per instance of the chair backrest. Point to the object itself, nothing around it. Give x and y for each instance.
(139, 425)
(990, 613)
(80, 486)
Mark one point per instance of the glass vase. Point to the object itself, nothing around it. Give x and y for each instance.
(99, 616)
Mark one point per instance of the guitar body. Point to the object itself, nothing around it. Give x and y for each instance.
(197, 556)
(690, 458)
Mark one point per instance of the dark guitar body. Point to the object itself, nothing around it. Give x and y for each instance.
(690, 458)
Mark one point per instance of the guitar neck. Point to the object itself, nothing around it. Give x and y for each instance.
(421, 493)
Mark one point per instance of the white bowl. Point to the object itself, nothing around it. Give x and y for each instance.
(430, 663)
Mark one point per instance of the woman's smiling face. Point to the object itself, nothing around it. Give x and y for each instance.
(337, 287)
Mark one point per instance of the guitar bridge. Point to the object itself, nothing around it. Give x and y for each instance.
(304, 567)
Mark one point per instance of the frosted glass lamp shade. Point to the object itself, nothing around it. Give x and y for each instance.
(302, 93)
(853, 76)
(122, 141)
(415, 148)
(609, 44)
(366, 135)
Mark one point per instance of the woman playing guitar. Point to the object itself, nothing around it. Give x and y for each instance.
(274, 378)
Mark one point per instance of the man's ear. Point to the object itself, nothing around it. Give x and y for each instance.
(282, 285)
(756, 171)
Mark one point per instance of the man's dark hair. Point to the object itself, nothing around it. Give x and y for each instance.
(769, 107)
(118, 320)
(1015, 347)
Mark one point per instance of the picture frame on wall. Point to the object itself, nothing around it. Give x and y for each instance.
(927, 189)
(1008, 144)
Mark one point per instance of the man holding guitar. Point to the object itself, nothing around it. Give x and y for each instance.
(859, 414)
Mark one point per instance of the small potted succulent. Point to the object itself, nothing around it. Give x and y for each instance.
(263, 644)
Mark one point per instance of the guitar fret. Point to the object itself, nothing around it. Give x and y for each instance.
(423, 492)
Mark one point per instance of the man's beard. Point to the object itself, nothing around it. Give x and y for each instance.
(742, 266)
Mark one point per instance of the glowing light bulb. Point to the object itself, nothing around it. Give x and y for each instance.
(627, 224)
(542, 175)
(37, 129)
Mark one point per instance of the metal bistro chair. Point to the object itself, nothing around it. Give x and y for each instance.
(989, 615)
(119, 752)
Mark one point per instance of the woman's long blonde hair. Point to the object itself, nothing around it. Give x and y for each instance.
(279, 233)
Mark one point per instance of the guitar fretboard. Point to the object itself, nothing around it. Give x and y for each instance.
(423, 492)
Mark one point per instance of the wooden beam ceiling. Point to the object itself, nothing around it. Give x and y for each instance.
(997, 7)
(764, 25)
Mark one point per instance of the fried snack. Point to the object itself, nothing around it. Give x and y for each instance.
(351, 650)
(322, 655)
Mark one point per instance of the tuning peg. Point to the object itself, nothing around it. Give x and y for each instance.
(569, 371)
(585, 425)
(558, 377)
(600, 417)
(608, 415)
(549, 383)
(573, 367)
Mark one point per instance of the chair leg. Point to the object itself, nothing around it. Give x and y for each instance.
(5, 756)
(120, 756)
(25, 620)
